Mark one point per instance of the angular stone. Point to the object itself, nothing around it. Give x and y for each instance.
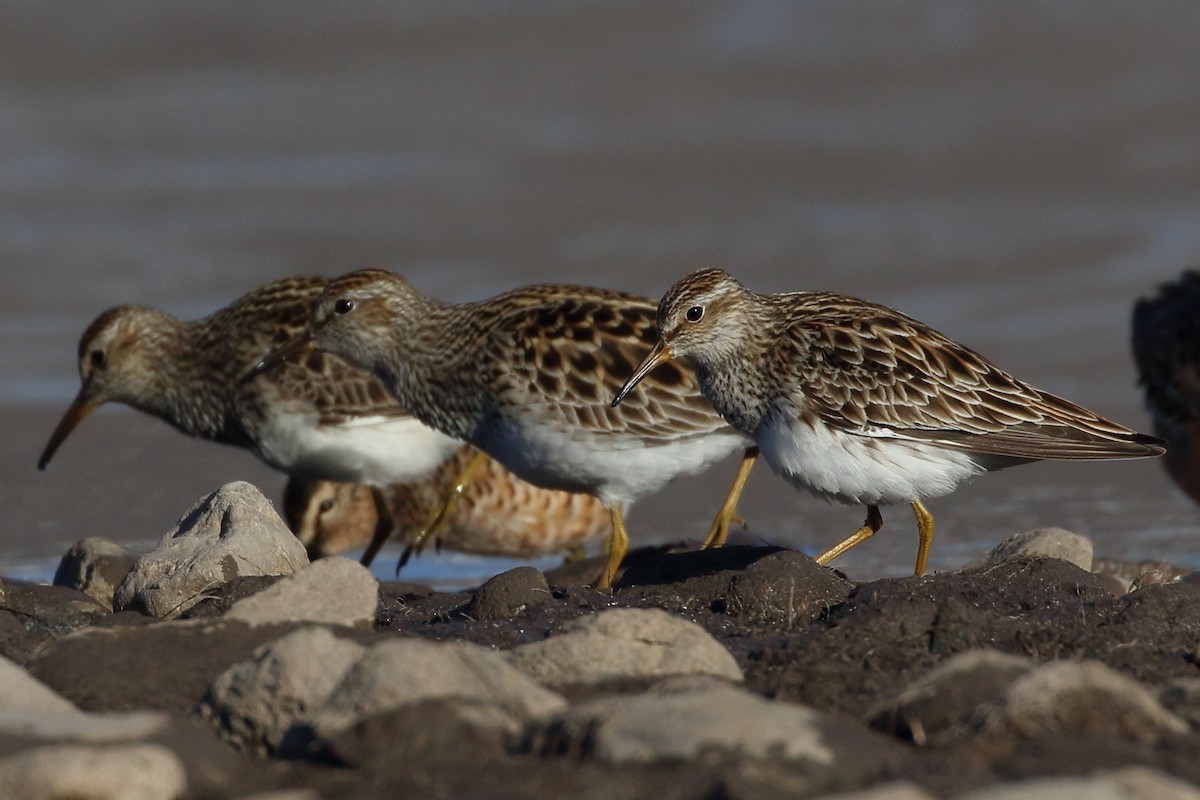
(508, 594)
(95, 566)
(256, 703)
(624, 644)
(233, 532)
(1065, 697)
(950, 696)
(20, 691)
(680, 719)
(335, 591)
(1044, 542)
(112, 772)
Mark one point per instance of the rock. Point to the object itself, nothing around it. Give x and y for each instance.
(1129, 783)
(430, 732)
(1065, 697)
(949, 697)
(1043, 542)
(334, 590)
(312, 685)
(233, 532)
(95, 566)
(49, 608)
(784, 587)
(683, 718)
(1182, 698)
(114, 772)
(898, 790)
(624, 644)
(256, 703)
(402, 672)
(767, 585)
(20, 691)
(508, 594)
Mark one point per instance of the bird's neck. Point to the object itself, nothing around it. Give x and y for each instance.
(737, 380)
(192, 393)
(437, 374)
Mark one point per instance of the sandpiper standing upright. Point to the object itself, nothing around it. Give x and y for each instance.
(525, 376)
(859, 403)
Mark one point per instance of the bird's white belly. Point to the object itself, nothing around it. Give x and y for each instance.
(375, 450)
(858, 469)
(615, 469)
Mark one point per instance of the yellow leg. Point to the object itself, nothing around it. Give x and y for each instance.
(925, 532)
(618, 544)
(719, 531)
(384, 523)
(441, 512)
(869, 528)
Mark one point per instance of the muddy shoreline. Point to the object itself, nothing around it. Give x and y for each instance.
(787, 679)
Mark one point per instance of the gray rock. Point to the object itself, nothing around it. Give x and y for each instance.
(233, 532)
(403, 672)
(49, 608)
(1129, 783)
(114, 772)
(1076, 697)
(624, 644)
(508, 594)
(256, 703)
(1045, 542)
(20, 691)
(950, 696)
(311, 684)
(95, 566)
(334, 590)
(681, 719)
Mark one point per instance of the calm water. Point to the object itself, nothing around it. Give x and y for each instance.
(1014, 175)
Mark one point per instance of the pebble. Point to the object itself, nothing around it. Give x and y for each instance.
(95, 566)
(1046, 543)
(112, 772)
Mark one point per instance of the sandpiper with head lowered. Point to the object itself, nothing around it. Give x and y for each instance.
(499, 514)
(862, 404)
(526, 376)
(319, 418)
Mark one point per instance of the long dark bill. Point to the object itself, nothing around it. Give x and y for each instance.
(300, 346)
(80, 407)
(659, 355)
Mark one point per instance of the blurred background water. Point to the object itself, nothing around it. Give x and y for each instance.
(1014, 174)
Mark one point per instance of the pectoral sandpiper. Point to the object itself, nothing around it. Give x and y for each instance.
(862, 404)
(318, 418)
(525, 376)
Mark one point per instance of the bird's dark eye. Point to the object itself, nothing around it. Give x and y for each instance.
(343, 306)
(326, 505)
(97, 358)
(695, 313)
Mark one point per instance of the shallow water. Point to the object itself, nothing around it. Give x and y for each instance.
(1014, 175)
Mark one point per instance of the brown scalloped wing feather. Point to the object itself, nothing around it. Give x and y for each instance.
(869, 369)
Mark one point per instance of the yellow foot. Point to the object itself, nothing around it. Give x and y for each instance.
(441, 512)
(727, 514)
